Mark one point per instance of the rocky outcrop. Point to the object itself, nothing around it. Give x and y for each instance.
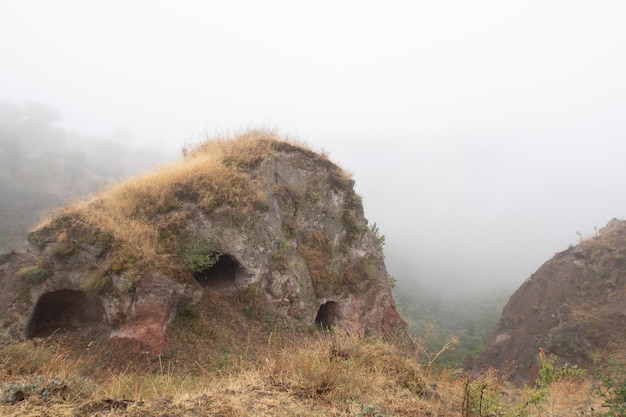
(254, 215)
(572, 307)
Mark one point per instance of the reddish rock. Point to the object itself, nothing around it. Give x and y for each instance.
(572, 307)
(280, 229)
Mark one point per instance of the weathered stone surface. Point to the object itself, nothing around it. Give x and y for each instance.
(572, 307)
(304, 250)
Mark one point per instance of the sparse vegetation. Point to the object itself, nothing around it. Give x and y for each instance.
(354, 230)
(392, 281)
(313, 197)
(354, 201)
(556, 391)
(376, 231)
(145, 215)
(613, 391)
(326, 373)
(201, 255)
(480, 396)
(280, 255)
(38, 387)
(435, 319)
(33, 275)
(538, 394)
(97, 282)
(315, 248)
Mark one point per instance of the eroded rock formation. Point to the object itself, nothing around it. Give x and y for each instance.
(572, 307)
(273, 221)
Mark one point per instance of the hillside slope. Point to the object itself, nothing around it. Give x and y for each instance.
(572, 307)
(42, 167)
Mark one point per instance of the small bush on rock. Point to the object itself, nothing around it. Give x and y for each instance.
(33, 275)
(201, 256)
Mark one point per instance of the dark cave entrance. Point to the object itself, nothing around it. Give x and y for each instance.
(221, 275)
(327, 315)
(63, 311)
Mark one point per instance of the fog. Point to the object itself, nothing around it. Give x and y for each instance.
(483, 135)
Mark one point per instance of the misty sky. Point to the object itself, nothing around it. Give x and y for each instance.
(482, 134)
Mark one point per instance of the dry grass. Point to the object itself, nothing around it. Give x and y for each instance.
(315, 248)
(491, 395)
(331, 374)
(325, 374)
(571, 396)
(142, 215)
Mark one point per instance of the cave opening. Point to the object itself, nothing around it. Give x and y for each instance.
(328, 315)
(223, 274)
(65, 311)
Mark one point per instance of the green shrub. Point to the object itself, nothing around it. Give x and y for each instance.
(313, 197)
(127, 287)
(538, 395)
(201, 255)
(392, 281)
(549, 373)
(354, 231)
(280, 255)
(353, 201)
(33, 275)
(376, 231)
(97, 283)
(613, 392)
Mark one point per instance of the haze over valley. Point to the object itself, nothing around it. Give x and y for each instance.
(278, 208)
(484, 136)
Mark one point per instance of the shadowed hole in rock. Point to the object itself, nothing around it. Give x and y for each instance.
(222, 275)
(63, 311)
(327, 315)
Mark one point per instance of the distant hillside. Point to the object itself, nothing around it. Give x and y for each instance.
(43, 166)
(572, 307)
(435, 319)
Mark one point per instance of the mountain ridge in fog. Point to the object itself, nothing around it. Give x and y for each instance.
(44, 166)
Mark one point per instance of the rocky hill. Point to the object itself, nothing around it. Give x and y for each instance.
(246, 235)
(572, 307)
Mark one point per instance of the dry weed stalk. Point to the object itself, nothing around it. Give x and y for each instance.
(431, 358)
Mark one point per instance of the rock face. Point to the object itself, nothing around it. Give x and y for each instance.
(572, 307)
(255, 215)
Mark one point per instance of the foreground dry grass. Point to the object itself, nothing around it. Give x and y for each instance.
(334, 374)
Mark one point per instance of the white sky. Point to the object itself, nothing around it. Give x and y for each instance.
(482, 134)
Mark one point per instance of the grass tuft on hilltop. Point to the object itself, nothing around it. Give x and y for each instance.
(144, 217)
